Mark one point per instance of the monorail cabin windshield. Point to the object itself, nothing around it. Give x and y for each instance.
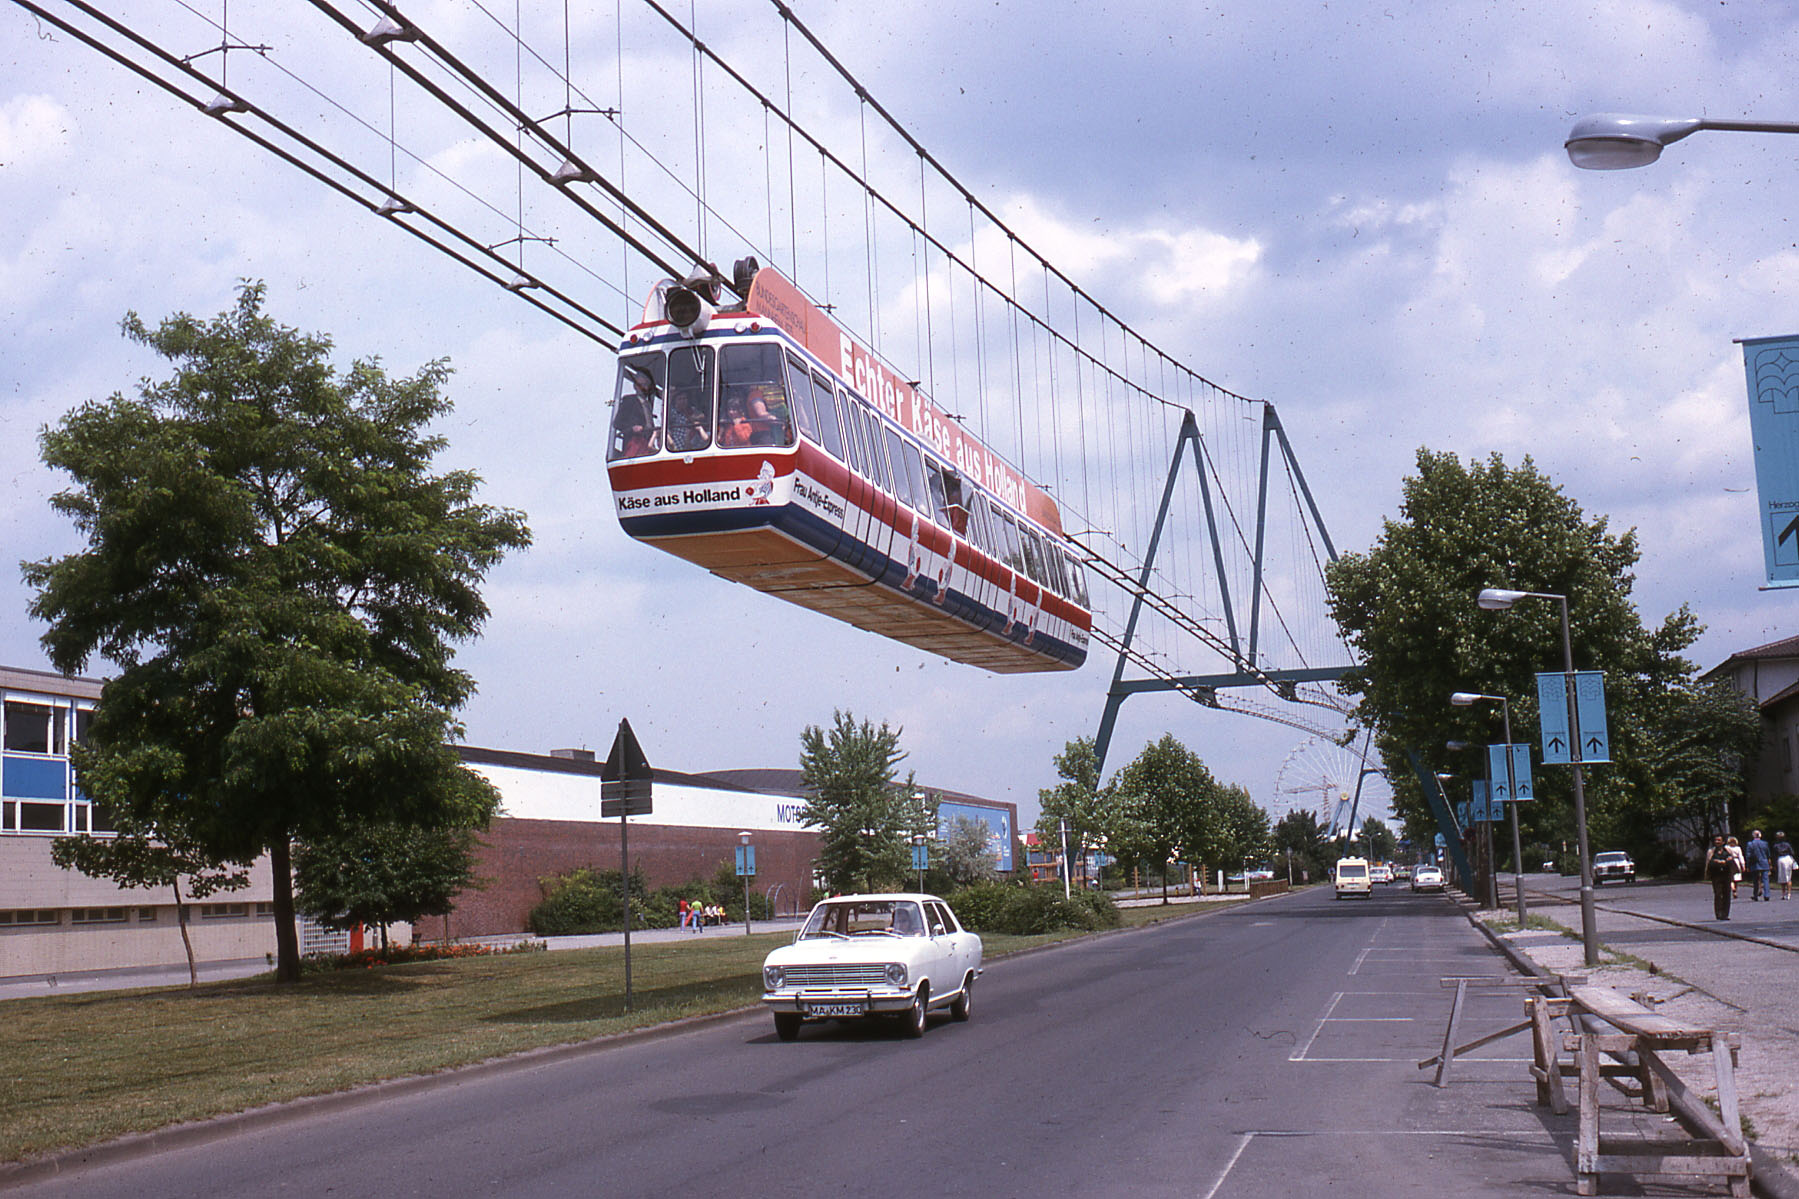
(743, 446)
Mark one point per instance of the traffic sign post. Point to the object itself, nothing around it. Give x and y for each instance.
(625, 792)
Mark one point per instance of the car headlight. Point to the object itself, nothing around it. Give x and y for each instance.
(771, 977)
(896, 973)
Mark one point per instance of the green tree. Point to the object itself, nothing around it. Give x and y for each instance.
(866, 819)
(1077, 802)
(152, 856)
(1166, 807)
(1378, 844)
(1702, 746)
(1300, 834)
(375, 875)
(279, 578)
(1242, 827)
(968, 852)
(1407, 606)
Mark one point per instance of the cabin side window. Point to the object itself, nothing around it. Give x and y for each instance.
(946, 496)
(637, 408)
(921, 496)
(1058, 569)
(939, 497)
(896, 457)
(877, 456)
(1009, 531)
(755, 406)
(1033, 558)
(852, 447)
(977, 524)
(1078, 574)
(828, 431)
(690, 387)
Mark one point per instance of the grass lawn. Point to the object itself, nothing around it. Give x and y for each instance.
(85, 1068)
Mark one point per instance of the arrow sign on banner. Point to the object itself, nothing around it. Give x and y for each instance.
(1589, 705)
(1520, 772)
(1552, 709)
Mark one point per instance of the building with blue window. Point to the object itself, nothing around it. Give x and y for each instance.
(55, 921)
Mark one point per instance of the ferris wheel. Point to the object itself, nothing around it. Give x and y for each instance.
(1340, 784)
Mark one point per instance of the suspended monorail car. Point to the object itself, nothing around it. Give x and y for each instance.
(763, 443)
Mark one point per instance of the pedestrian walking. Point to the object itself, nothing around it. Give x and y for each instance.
(699, 916)
(1719, 870)
(682, 908)
(1735, 849)
(1782, 850)
(1756, 861)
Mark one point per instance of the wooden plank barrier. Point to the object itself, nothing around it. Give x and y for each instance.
(1636, 1040)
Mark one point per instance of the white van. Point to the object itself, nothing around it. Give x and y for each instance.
(1352, 878)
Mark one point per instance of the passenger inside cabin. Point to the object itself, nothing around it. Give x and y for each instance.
(687, 429)
(766, 409)
(735, 429)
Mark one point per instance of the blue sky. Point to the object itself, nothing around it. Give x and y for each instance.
(1361, 213)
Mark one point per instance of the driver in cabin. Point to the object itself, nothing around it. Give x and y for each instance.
(634, 424)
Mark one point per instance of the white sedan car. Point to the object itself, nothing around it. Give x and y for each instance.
(1427, 878)
(869, 955)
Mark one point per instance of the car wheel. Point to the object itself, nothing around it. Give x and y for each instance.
(787, 1025)
(963, 1005)
(919, 1013)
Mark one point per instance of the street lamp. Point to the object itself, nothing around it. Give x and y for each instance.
(1613, 141)
(1463, 699)
(1496, 599)
(746, 866)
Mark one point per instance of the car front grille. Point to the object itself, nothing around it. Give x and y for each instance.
(834, 976)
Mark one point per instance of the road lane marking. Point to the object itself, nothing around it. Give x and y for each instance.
(1244, 1139)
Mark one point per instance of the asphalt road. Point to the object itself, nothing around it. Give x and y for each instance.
(1264, 1049)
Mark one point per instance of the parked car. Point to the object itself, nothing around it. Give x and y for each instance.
(863, 956)
(1614, 863)
(1427, 878)
(1352, 878)
(1380, 872)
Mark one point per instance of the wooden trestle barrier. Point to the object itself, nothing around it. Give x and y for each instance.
(1615, 1039)
(1636, 1039)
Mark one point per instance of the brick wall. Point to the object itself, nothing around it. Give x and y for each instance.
(515, 854)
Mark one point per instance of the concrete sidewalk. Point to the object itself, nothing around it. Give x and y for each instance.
(1659, 941)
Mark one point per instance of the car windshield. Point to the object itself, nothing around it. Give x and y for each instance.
(863, 918)
(1609, 857)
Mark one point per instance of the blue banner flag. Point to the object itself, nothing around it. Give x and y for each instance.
(1772, 364)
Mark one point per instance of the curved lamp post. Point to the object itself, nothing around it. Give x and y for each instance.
(1463, 699)
(1613, 141)
(1497, 599)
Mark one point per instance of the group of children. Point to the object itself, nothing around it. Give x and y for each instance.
(696, 916)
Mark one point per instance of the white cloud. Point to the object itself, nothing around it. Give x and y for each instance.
(34, 132)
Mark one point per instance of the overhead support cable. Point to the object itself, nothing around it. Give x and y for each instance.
(441, 234)
(562, 155)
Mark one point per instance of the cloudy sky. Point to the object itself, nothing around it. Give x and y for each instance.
(1361, 213)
